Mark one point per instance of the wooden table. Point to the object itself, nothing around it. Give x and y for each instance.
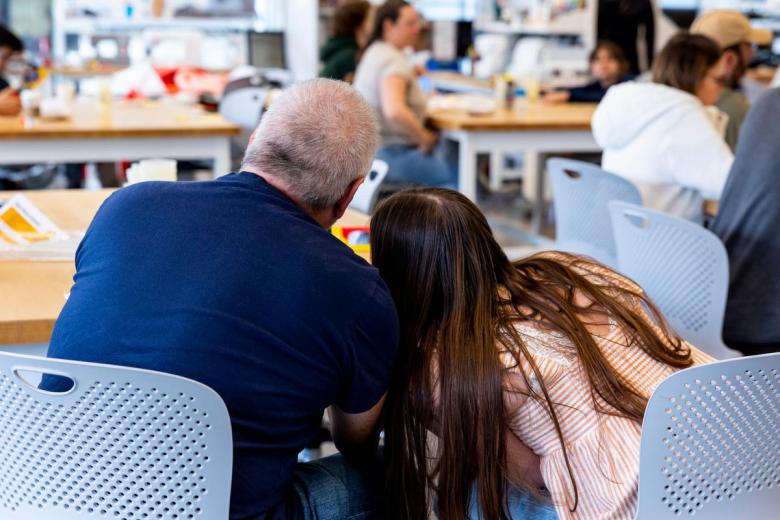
(33, 293)
(446, 81)
(533, 129)
(123, 130)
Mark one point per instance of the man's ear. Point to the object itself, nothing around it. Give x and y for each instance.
(729, 61)
(343, 203)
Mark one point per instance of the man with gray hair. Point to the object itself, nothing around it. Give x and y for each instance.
(238, 284)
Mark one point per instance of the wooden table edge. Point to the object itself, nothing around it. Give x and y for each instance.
(26, 332)
(29, 135)
(492, 127)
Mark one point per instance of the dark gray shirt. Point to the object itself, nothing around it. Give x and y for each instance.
(748, 222)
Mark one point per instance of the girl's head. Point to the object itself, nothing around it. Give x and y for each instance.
(397, 23)
(607, 63)
(459, 300)
(353, 18)
(691, 62)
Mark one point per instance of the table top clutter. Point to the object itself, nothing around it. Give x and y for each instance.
(522, 116)
(34, 292)
(90, 119)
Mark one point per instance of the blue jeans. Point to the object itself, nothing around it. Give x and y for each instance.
(408, 165)
(333, 489)
(521, 506)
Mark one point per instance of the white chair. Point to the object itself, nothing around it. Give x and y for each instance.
(244, 106)
(683, 268)
(119, 443)
(710, 446)
(366, 195)
(581, 192)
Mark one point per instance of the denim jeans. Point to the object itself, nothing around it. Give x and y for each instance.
(408, 165)
(333, 489)
(521, 506)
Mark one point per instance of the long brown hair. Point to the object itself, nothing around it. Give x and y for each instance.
(459, 299)
(685, 61)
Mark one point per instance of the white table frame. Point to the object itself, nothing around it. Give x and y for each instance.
(531, 143)
(35, 149)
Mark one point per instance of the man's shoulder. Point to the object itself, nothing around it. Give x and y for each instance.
(731, 101)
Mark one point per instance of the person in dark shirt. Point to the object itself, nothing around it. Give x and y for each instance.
(351, 29)
(748, 220)
(620, 21)
(237, 283)
(608, 67)
(10, 45)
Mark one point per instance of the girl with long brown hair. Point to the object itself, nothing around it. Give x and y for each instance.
(553, 352)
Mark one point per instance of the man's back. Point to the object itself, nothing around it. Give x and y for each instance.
(229, 283)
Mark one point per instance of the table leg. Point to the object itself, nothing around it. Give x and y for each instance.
(467, 166)
(496, 169)
(222, 158)
(534, 168)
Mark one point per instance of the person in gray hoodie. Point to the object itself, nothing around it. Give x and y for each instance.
(748, 221)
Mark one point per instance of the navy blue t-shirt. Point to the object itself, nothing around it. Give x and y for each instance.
(229, 283)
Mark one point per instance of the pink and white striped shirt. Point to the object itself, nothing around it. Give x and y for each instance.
(603, 449)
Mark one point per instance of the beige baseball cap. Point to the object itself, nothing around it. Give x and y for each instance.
(729, 28)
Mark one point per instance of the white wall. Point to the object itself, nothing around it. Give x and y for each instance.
(301, 38)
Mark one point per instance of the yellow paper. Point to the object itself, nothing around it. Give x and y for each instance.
(22, 223)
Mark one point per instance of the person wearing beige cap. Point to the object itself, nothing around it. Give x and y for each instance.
(732, 31)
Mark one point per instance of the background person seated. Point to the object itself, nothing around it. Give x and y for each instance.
(390, 85)
(10, 45)
(731, 30)
(608, 67)
(659, 135)
(352, 26)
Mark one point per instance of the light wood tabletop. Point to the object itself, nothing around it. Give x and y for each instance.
(120, 119)
(523, 116)
(33, 292)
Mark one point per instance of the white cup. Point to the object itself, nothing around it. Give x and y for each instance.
(157, 170)
(31, 101)
(66, 91)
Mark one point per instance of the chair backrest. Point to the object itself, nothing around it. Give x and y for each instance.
(682, 267)
(121, 443)
(244, 106)
(711, 443)
(366, 195)
(581, 192)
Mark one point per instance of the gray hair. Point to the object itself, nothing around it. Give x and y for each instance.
(317, 137)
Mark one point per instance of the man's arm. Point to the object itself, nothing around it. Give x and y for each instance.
(356, 435)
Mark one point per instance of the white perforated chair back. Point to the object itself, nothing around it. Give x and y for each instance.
(244, 106)
(122, 443)
(710, 446)
(683, 267)
(581, 192)
(366, 195)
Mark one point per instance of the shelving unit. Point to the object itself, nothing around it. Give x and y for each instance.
(110, 20)
(579, 23)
